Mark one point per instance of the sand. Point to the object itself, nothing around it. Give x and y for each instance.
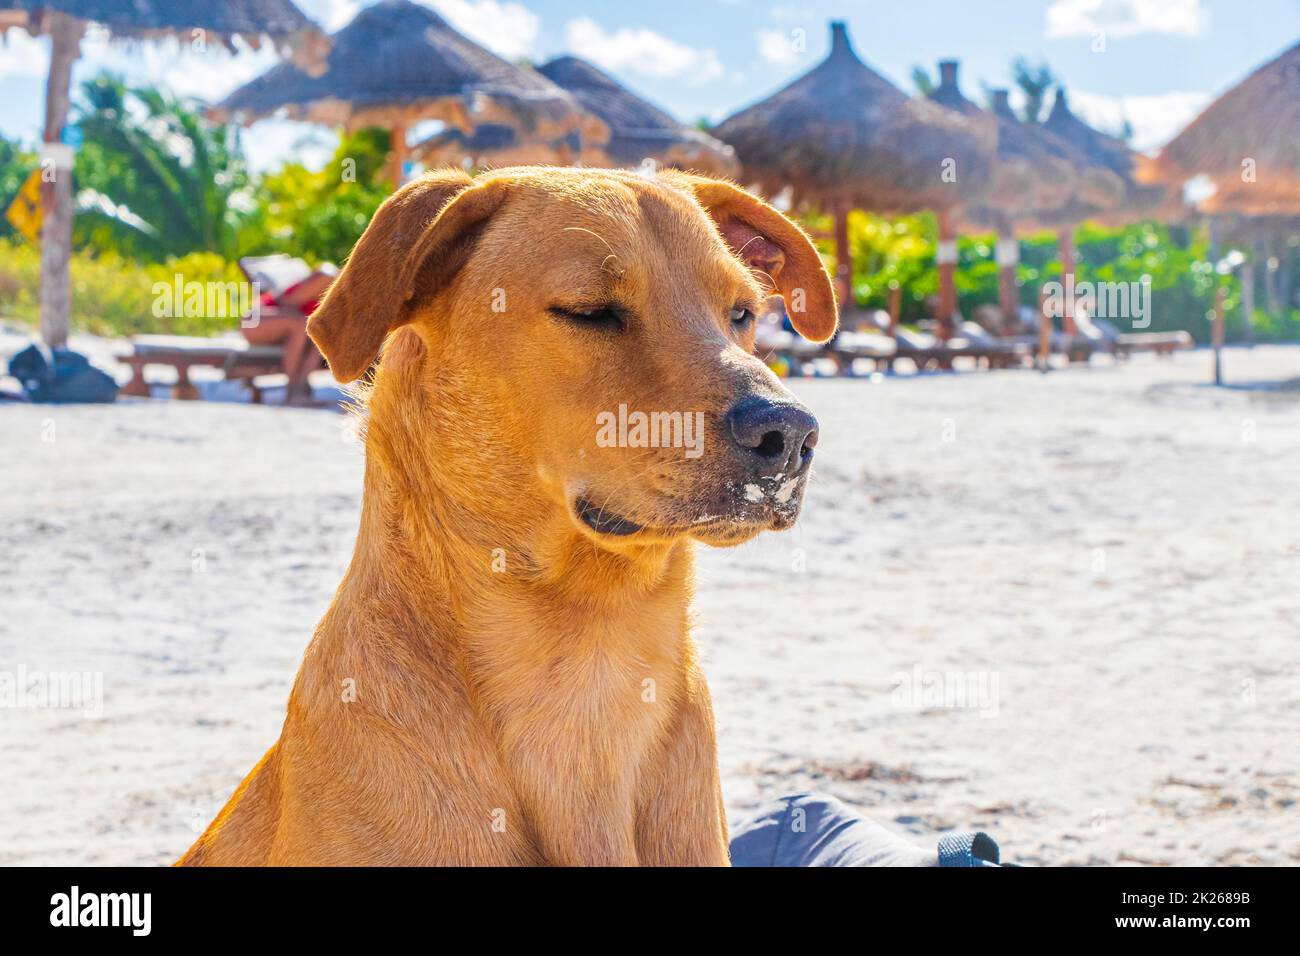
(1063, 609)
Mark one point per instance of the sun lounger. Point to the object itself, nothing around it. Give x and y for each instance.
(975, 340)
(848, 347)
(1076, 348)
(1124, 344)
(845, 349)
(237, 359)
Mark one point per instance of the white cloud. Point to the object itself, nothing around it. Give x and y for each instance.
(638, 50)
(176, 67)
(331, 15)
(775, 46)
(1156, 119)
(790, 11)
(1121, 18)
(209, 76)
(272, 142)
(23, 55)
(507, 29)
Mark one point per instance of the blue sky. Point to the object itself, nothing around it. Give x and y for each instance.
(1159, 62)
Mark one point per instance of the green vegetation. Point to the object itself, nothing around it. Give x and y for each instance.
(1183, 282)
(320, 215)
(111, 295)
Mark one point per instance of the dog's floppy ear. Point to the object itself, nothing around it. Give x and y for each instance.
(771, 244)
(413, 246)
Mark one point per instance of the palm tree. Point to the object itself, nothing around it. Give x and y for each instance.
(1034, 82)
(922, 80)
(154, 178)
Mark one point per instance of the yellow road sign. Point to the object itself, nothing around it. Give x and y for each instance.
(24, 213)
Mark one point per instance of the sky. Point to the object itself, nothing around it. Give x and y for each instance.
(1152, 63)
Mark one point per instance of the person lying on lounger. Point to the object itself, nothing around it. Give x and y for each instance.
(291, 291)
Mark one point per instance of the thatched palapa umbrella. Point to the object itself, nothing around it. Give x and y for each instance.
(842, 136)
(398, 63)
(497, 144)
(1035, 174)
(639, 130)
(1032, 171)
(1106, 153)
(1247, 142)
(65, 23)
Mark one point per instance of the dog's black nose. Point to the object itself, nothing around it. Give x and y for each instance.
(775, 438)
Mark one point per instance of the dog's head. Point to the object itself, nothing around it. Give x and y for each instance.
(584, 340)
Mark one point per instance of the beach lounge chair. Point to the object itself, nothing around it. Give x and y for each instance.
(925, 351)
(272, 276)
(986, 348)
(1074, 347)
(850, 346)
(237, 360)
(1124, 344)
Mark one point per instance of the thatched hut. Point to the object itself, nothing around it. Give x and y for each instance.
(252, 21)
(1105, 154)
(843, 136)
(1247, 142)
(398, 63)
(1034, 171)
(639, 130)
(65, 23)
(496, 144)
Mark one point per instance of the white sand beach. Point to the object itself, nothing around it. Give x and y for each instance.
(1108, 557)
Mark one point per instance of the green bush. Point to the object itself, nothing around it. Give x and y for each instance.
(1183, 282)
(112, 296)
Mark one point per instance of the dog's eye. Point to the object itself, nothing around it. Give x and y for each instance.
(741, 316)
(603, 317)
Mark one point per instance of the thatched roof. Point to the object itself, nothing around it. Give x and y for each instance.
(250, 20)
(398, 62)
(1107, 153)
(1258, 119)
(1034, 169)
(843, 133)
(639, 130)
(496, 145)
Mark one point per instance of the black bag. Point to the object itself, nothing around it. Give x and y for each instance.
(70, 379)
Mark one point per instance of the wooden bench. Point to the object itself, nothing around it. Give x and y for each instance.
(237, 360)
(1161, 343)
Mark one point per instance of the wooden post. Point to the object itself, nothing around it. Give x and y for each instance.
(895, 307)
(56, 188)
(843, 257)
(397, 152)
(1044, 332)
(1065, 247)
(1248, 298)
(1216, 334)
(1272, 287)
(1007, 254)
(946, 257)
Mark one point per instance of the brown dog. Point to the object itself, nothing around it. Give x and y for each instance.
(506, 674)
